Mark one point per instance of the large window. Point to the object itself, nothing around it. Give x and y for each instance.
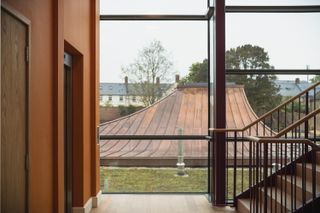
(167, 107)
(158, 143)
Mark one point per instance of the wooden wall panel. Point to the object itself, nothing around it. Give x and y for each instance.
(54, 21)
(14, 72)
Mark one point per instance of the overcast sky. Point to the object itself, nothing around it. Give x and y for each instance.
(292, 40)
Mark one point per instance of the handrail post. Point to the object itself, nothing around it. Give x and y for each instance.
(306, 123)
(265, 175)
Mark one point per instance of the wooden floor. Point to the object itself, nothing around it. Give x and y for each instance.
(158, 204)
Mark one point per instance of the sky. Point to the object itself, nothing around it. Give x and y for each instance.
(291, 40)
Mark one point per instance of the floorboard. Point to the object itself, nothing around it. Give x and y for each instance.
(123, 203)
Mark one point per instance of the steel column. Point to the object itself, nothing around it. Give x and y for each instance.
(219, 113)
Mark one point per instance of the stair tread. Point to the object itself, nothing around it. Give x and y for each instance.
(286, 197)
(297, 180)
(309, 166)
(245, 202)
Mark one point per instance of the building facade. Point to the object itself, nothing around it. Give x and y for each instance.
(126, 94)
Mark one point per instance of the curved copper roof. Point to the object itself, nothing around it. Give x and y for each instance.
(185, 108)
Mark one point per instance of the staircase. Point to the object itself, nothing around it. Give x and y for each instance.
(288, 192)
(276, 167)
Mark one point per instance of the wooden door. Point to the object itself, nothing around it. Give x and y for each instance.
(14, 37)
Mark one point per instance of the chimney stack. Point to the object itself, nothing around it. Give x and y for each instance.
(177, 78)
(297, 80)
(158, 81)
(126, 80)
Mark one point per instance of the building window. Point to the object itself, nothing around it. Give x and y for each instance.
(134, 99)
(121, 98)
(110, 98)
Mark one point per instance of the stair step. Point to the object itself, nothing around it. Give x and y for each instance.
(308, 171)
(294, 185)
(243, 205)
(278, 204)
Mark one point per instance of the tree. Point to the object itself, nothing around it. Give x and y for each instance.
(315, 79)
(261, 91)
(198, 72)
(151, 63)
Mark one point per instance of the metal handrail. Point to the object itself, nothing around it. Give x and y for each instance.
(297, 123)
(283, 140)
(266, 114)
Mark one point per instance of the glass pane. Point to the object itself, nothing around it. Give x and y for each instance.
(181, 108)
(291, 40)
(120, 43)
(272, 2)
(153, 7)
(154, 166)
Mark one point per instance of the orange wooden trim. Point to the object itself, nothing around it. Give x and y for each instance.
(78, 124)
(15, 13)
(58, 108)
(94, 96)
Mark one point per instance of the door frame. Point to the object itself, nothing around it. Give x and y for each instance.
(19, 16)
(68, 144)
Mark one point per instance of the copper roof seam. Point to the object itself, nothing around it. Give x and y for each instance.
(162, 106)
(197, 110)
(123, 143)
(179, 98)
(141, 118)
(242, 116)
(149, 121)
(229, 101)
(181, 103)
(249, 112)
(114, 142)
(171, 110)
(166, 105)
(137, 127)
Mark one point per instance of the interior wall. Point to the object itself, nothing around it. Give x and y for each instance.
(80, 32)
(40, 99)
(52, 23)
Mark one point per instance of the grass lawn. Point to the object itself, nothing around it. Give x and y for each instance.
(133, 179)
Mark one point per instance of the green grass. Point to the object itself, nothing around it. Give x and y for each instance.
(152, 180)
(135, 180)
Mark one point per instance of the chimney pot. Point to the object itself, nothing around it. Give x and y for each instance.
(297, 80)
(177, 78)
(126, 80)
